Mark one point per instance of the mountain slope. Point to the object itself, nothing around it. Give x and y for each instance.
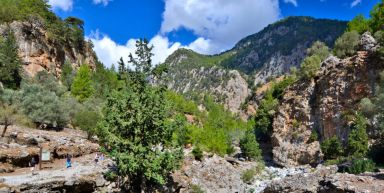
(255, 59)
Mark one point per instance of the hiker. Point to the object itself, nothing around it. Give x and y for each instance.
(102, 157)
(32, 164)
(69, 161)
(96, 158)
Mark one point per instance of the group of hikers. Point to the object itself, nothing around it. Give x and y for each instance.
(68, 161)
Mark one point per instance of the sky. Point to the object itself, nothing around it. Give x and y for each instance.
(205, 26)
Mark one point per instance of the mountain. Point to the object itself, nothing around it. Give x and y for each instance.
(229, 76)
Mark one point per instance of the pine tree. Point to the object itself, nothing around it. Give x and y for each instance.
(358, 138)
(10, 63)
(82, 87)
(135, 128)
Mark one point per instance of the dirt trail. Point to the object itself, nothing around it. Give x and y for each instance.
(55, 171)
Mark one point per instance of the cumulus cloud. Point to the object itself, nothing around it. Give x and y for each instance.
(65, 5)
(109, 52)
(219, 24)
(355, 3)
(104, 2)
(293, 2)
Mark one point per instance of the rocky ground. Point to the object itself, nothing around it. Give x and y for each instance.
(215, 174)
(20, 145)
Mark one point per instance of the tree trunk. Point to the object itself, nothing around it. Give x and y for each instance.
(4, 130)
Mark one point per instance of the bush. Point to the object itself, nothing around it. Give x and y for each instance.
(87, 120)
(248, 176)
(359, 166)
(310, 66)
(82, 86)
(250, 147)
(332, 148)
(196, 189)
(314, 136)
(359, 24)
(347, 44)
(197, 153)
(367, 107)
(319, 49)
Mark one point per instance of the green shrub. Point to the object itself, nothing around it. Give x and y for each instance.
(332, 148)
(314, 136)
(359, 166)
(319, 49)
(87, 120)
(111, 176)
(197, 153)
(310, 66)
(196, 189)
(248, 176)
(359, 24)
(82, 86)
(367, 107)
(250, 147)
(347, 44)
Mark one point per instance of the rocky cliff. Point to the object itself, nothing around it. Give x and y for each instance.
(39, 53)
(323, 105)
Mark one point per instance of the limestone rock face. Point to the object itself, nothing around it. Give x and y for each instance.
(323, 105)
(39, 53)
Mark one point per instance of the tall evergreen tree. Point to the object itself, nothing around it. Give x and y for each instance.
(10, 63)
(82, 87)
(136, 129)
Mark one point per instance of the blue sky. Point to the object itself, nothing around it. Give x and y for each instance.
(206, 26)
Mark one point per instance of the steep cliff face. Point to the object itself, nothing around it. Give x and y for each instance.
(39, 53)
(323, 105)
(227, 86)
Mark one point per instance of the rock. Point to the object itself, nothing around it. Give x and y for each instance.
(39, 53)
(322, 105)
(368, 43)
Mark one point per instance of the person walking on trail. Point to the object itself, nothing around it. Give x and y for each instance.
(32, 164)
(69, 161)
(96, 158)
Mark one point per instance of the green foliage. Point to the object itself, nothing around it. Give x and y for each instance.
(319, 49)
(136, 130)
(361, 165)
(300, 30)
(10, 63)
(264, 115)
(197, 153)
(196, 189)
(87, 120)
(43, 102)
(358, 138)
(105, 81)
(332, 148)
(248, 176)
(7, 117)
(367, 107)
(347, 44)
(249, 146)
(359, 24)
(314, 136)
(181, 104)
(82, 86)
(377, 17)
(310, 66)
(67, 74)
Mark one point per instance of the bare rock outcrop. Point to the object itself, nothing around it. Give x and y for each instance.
(39, 53)
(327, 180)
(322, 105)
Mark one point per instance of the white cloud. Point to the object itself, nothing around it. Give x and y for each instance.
(355, 3)
(65, 5)
(109, 52)
(104, 2)
(219, 24)
(294, 2)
